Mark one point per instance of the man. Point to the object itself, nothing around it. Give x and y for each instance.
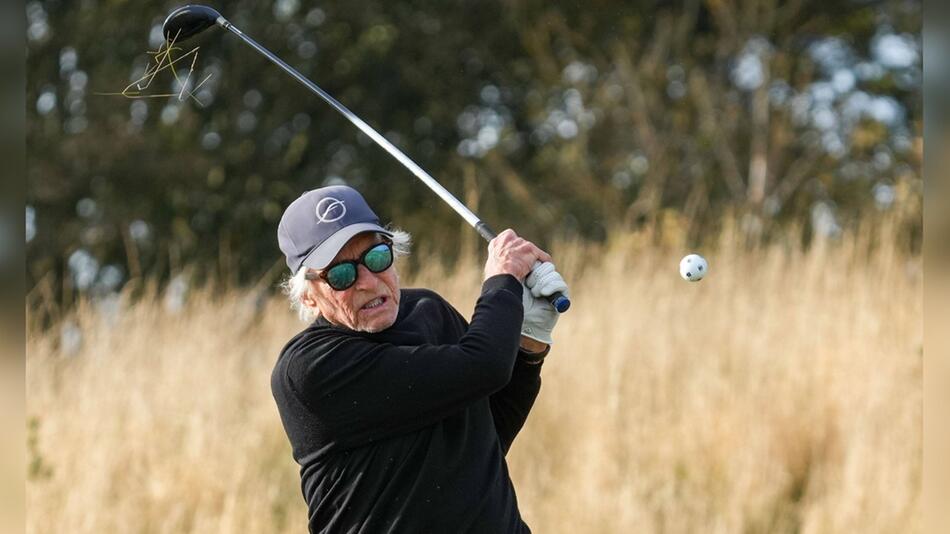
(399, 412)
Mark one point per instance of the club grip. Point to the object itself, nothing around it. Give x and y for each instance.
(558, 300)
(485, 231)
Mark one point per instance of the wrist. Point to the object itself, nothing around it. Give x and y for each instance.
(495, 272)
(502, 281)
(532, 346)
(533, 358)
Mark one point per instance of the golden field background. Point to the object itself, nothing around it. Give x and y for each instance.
(781, 394)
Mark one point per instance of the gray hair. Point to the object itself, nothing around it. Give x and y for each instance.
(296, 286)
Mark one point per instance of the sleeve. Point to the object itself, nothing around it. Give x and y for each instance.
(510, 405)
(360, 390)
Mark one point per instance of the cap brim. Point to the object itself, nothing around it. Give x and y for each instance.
(323, 254)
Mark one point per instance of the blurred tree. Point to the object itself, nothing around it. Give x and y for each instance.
(554, 118)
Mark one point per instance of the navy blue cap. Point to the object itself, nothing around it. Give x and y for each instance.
(317, 225)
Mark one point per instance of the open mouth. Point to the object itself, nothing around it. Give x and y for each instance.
(375, 303)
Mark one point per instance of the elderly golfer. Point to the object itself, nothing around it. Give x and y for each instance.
(400, 412)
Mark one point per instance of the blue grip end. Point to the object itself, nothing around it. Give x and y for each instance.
(560, 302)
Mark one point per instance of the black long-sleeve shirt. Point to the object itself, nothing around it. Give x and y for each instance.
(406, 430)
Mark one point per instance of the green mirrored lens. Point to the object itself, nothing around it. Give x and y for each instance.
(341, 276)
(379, 258)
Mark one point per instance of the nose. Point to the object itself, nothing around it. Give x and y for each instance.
(365, 279)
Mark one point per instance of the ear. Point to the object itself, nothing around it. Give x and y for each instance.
(308, 299)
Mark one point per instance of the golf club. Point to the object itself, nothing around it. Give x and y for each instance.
(189, 20)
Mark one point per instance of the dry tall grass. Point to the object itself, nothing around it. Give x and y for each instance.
(781, 394)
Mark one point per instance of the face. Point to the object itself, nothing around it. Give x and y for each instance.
(371, 304)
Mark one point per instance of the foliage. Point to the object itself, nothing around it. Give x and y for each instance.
(555, 118)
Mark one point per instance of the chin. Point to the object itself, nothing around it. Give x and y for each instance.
(378, 326)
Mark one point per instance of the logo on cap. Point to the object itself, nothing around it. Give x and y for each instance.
(326, 207)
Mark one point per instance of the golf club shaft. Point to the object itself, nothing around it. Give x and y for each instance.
(558, 300)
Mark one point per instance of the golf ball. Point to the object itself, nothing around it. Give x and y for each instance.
(693, 268)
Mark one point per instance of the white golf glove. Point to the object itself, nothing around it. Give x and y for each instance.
(539, 315)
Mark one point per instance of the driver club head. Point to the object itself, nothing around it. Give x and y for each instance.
(189, 20)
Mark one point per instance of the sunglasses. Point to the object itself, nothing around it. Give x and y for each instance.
(342, 275)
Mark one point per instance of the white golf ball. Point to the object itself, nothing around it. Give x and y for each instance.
(693, 268)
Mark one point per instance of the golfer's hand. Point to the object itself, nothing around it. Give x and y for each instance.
(540, 317)
(510, 254)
